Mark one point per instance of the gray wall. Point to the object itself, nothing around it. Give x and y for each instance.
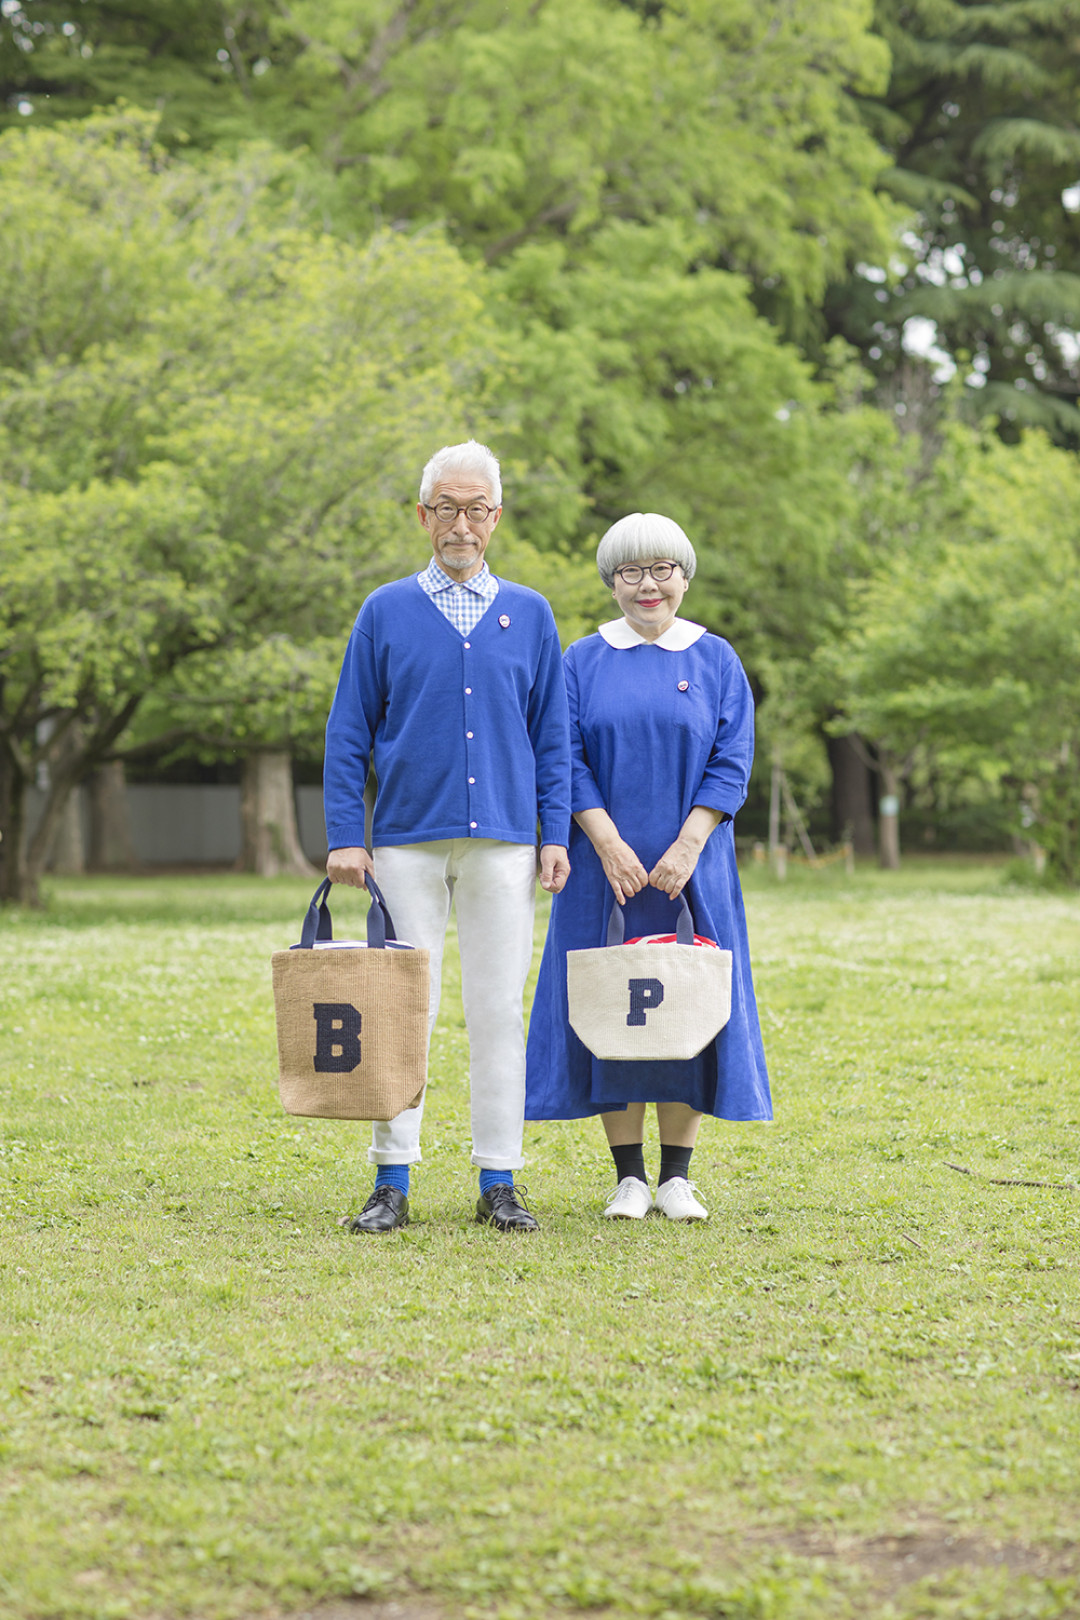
(199, 825)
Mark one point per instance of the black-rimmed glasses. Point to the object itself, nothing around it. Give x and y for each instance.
(447, 511)
(633, 574)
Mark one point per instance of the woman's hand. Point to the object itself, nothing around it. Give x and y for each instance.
(677, 864)
(675, 867)
(621, 866)
(622, 869)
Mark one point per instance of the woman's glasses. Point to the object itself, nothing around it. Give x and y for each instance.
(632, 574)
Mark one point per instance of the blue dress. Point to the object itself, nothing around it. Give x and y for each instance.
(654, 730)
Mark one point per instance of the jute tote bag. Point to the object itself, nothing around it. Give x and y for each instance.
(352, 1020)
(648, 1001)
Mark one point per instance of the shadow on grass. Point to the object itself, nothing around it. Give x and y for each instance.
(181, 898)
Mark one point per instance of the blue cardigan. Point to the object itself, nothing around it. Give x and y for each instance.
(470, 734)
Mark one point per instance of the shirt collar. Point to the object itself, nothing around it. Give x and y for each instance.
(482, 583)
(619, 633)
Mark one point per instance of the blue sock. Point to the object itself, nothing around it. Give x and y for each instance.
(492, 1178)
(393, 1175)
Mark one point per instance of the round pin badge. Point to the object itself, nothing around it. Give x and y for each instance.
(684, 686)
(504, 620)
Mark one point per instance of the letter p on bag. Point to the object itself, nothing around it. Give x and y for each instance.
(645, 994)
(337, 1037)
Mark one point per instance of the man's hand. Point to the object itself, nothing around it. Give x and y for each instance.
(554, 867)
(349, 866)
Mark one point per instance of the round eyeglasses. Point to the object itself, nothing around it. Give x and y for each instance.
(633, 574)
(447, 511)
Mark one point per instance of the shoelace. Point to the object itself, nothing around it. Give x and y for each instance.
(379, 1196)
(517, 1194)
(689, 1186)
(625, 1191)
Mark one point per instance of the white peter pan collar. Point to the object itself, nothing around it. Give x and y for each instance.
(676, 638)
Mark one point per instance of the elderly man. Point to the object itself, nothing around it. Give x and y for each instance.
(453, 682)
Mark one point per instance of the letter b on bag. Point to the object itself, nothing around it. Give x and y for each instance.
(337, 1037)
(645, 994)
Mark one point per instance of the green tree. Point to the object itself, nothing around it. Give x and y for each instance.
(512, 121)
(211, 424)
(651, 389)
(63, 60)
(967, 643)
(660, 193)
(979, 119)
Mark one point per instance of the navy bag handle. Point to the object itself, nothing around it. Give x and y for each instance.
(684, 926)
(318, 924)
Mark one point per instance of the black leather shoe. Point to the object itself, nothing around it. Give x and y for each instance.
(385, 1209)
(502, 1206)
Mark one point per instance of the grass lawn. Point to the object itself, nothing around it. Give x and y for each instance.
(854, 1391)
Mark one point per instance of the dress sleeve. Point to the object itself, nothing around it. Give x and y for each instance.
(727, 774)
(584, 793)
(354, 715)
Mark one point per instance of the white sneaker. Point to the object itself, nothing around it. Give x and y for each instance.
(631, 1201)
(675, 1199)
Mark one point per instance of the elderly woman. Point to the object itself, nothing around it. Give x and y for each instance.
(662, 736)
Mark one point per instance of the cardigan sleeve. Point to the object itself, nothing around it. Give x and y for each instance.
(584, 793)
(726, 777)
(549, 735)
(354, 715)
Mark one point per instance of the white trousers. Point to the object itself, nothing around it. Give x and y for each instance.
(492, 886)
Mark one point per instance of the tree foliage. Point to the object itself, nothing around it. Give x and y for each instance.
(967, 643)
(980, 121)
(512, 121)
(663, 253)
(659, 192)
(211, 420)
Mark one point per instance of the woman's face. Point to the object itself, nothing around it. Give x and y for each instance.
(649, 604)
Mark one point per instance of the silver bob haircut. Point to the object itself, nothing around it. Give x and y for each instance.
(639, 537)
(471, 458)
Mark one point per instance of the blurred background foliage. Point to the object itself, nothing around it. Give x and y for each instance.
(802, 277)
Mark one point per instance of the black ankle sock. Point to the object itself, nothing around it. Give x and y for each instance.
(674, 1161)
(629, 1160)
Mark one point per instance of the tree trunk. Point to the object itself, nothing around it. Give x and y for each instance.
(22, 854)
(23, 858)
(852, 795)
(271, 842)
(112, 848)
(13, 787)
(65, 762)
(775, 858)
(889, 814)
(67, 850)
(68, 754)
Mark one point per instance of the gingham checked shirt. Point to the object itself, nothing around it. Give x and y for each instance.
(464, 605)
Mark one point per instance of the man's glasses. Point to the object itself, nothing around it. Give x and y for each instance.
(632, 574)
(476, 511)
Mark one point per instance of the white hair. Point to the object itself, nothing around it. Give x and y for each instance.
(643, 537)
(471, 458)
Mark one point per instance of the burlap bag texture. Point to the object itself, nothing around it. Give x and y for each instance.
(352, 1029)
(648, 1002)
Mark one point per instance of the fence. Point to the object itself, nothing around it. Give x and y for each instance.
(197, 825)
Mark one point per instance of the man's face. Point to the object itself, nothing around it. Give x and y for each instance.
(459, 543)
